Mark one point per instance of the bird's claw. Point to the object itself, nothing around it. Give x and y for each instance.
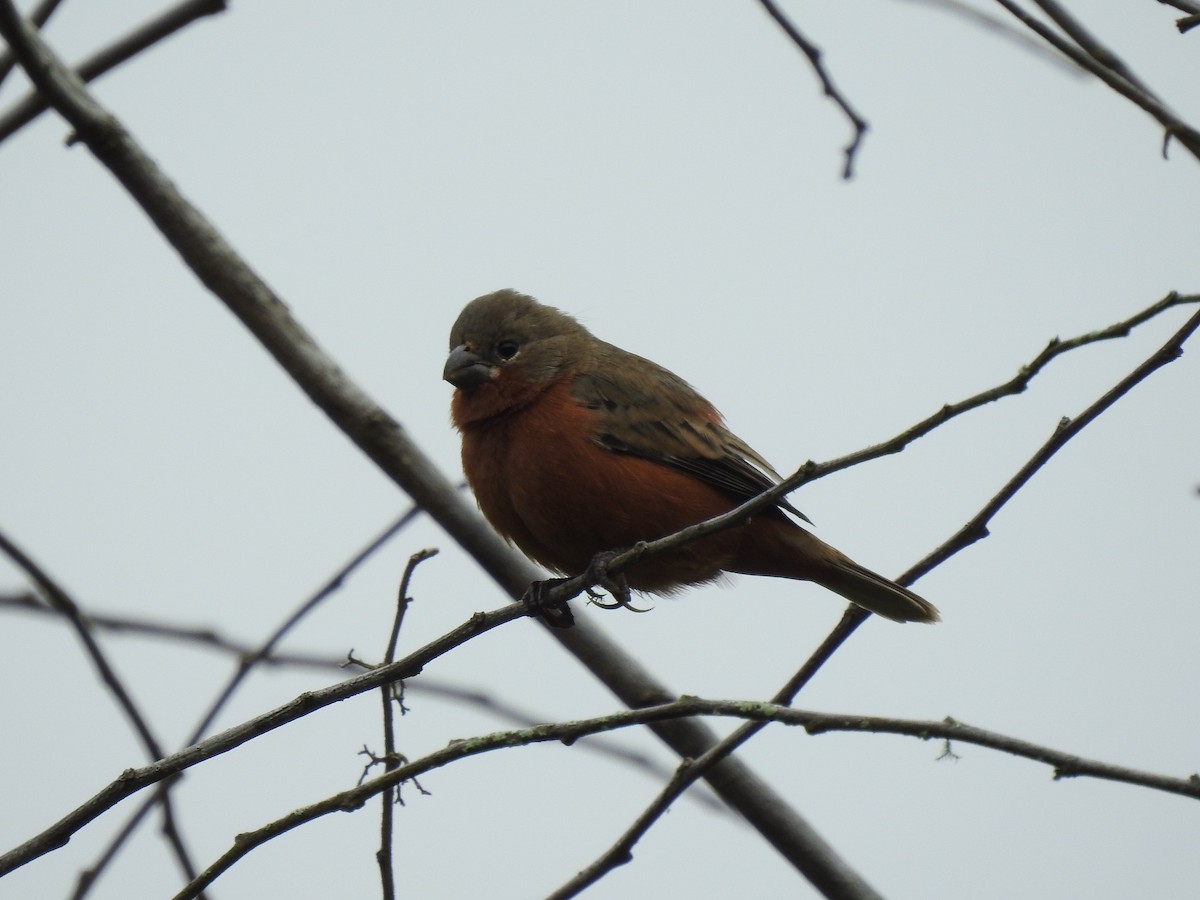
(555, 613)
(616, 585)
(617, 603)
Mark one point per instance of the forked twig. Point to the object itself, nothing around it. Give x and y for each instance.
(690, 770)
(1174, 127)
(813, 53)
(218, 266)
(142, 38)
(57, 597)
(391, 757)
(1066, 765)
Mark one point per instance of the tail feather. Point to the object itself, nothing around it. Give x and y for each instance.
(876, 593)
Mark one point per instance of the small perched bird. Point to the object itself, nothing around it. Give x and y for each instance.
(575, 447)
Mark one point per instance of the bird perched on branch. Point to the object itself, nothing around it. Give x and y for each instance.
(575, 447)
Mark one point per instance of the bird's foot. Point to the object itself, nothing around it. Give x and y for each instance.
(616, 585)
(555, 613)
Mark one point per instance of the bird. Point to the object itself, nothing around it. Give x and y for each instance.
(575, 448)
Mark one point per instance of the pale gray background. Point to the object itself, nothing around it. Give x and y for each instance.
(668, 172)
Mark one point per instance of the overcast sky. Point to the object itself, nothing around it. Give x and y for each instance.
(668, 172)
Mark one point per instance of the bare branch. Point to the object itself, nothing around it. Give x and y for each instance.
(1188, 22)
(121, 50)
(813, 52)
(246, 663)
(1001, 28)
(379, 436)
(1053, 349)
(133, 780)
(207, 638)
(1065, 764)
(40, 16)
(1175, 127)
(267, 647)
(690, 770)
(1187, 6)
(391, 758)
(811, 471)
(1090, 43)
(976, 529)
(66, 605)
(1017, 384)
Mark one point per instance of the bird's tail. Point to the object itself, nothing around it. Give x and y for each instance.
(874, 592)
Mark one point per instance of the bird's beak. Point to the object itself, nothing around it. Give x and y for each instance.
(464, 369)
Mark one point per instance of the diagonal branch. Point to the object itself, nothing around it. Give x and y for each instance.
(199, 636)
(1002, 29)
(977, 528)
(245, 664)
(1187, 6)
(1055, 348)
(813, 53)
(690, 770)
(378, 435)
(392, 759)
(457, 693)
(1188, 22)
(38, 17)
(131, 781)
(1090, 44)
(123, 49)
(811, 471)
(383, 440)
(1175, 127)
(59, 599)
(1066, 765)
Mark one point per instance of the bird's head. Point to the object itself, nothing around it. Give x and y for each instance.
(507, 336)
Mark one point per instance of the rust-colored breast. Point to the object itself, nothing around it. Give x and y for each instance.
(546, 484)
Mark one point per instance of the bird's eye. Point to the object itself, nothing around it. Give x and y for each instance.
(507, 349)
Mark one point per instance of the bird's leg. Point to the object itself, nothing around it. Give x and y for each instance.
(597, 573)
(555, 613)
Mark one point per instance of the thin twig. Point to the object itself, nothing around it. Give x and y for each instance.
(689, 770)
(622, 850)
(207, 638)
(123, 49)
(132, 781)
(267, 647)
(1188, 22)
(378, 435)
(57, 597)
(40, 16)
(1090, 44)
(246, 663)
(997, 26)
(811, 471)
(813, 53)
(1066, 765)
(391, 758)
(1054, 348)
(199, 636)
(1174, 127)
(1187, 6)
(977, 527)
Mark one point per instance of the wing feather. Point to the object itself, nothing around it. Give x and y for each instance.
(660, 417)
